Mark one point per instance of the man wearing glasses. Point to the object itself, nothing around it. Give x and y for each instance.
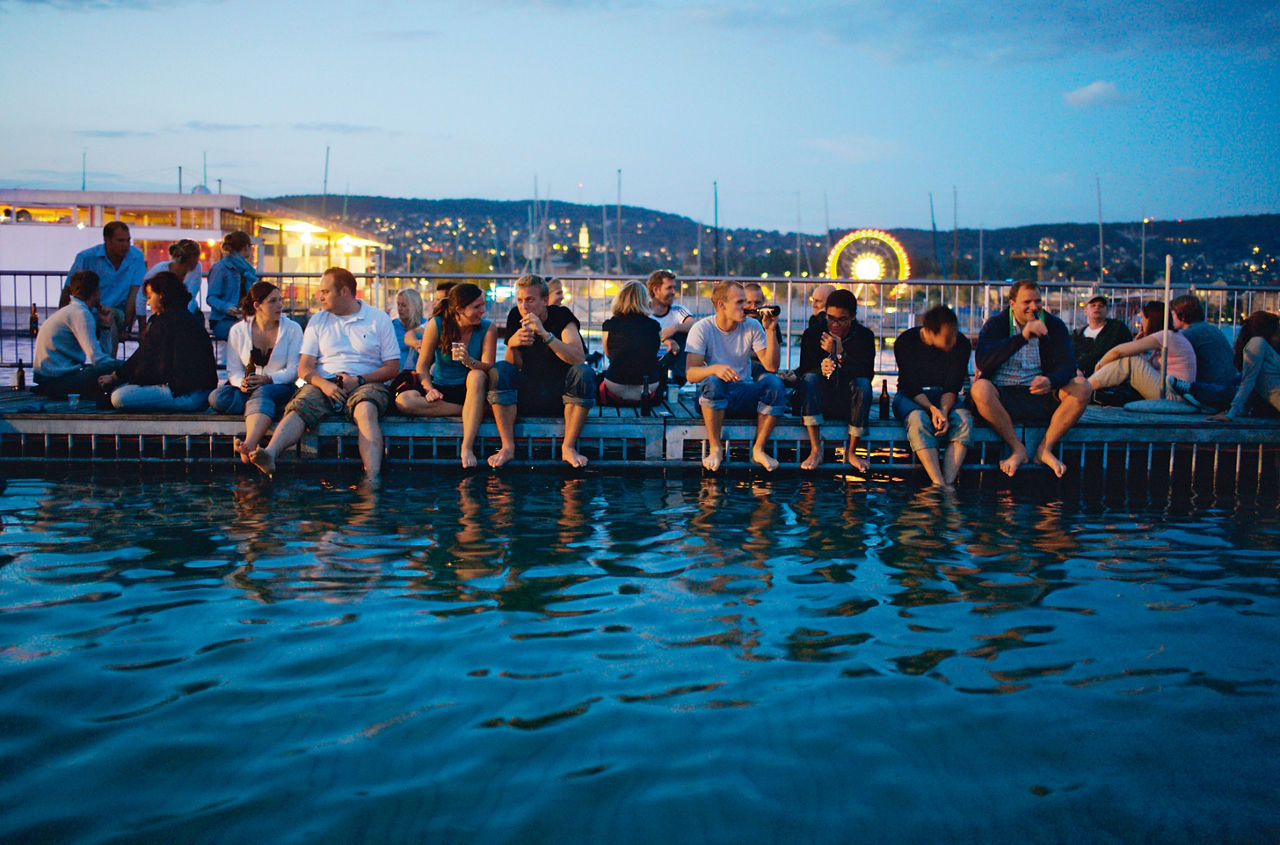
(837, 362)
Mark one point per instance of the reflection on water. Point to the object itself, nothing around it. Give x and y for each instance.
(513, 657)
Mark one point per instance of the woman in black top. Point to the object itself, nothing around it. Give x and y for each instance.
(173, 367)
(632, 342)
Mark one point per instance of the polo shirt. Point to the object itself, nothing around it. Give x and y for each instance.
(355, 344)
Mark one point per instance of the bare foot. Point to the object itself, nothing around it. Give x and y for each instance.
(243, 452)
(1017, 457)
(711, 462)
(264, 461)
(469, 459)
(1050, 460)
(854, 460)
(573, 457)
(763, 458)
(814, 459)
(501, 456)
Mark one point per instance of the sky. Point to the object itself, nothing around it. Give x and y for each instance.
(797, 114)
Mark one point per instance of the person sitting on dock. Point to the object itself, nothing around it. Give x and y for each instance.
(173, 369)
(1257, 353)
(184, 262)
(719, 349)
(348, 351)
(459, 348)
(1101, 332)
(933, 365)
(68, 359)
(1137, 363)
(837, 363)
(818, 301)
(1217, 376)
(1027, 373)
(673, 320)
(631, 340)
(229, 281)
(262, 366)
(545, 368)
(120, 268)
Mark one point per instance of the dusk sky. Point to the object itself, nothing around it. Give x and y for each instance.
(870, 105)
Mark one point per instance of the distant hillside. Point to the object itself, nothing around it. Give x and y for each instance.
(1231, 248)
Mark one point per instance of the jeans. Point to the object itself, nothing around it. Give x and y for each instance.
(509, 386)
(157, 397)
(83, 381)
(268, 399)
(744, 398)
(818, 397)
(919, 424)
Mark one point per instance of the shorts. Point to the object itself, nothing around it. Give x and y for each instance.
(1022, 405)
(313, 406)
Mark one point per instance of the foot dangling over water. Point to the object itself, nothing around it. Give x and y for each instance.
(264, 461)
(1017, 457)
(501, 456)
(711, 462)
(573, 457)
(763, 458)
(1050, 460)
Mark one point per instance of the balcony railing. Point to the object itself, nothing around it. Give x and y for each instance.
(887, 308)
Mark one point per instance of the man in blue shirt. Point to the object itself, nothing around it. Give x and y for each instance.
(120, 268)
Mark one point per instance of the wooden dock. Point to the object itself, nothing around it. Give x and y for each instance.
(1111, 441)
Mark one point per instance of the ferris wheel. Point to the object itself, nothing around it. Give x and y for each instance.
(868, 255)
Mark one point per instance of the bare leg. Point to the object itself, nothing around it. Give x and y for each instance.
(287, 433)
(954, 460)
(851, 456)
(929, 460)
(1073, 398)
(987, 398)
(472, 415)
(504, 417)
(575, 417)
(764, 427)
(255, 426)
(369, 438)
(815, 448)
(713, 419)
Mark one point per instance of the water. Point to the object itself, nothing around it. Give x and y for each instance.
(524, 658)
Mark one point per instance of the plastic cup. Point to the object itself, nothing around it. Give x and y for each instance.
(73, 400)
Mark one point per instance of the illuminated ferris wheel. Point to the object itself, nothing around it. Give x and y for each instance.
(868, 255)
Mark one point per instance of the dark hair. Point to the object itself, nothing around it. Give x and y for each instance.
(1153, 310)
(1261, 324)
(1188, 308)
(656, 278)
(235, 241)
(184, 250)
(841, 298)
(109, 230)
(445, 286)
(1019, 285)
(343, 277)
(174, 295)
(255, 296)
(937, 317)
(460, 296)
(83, 284)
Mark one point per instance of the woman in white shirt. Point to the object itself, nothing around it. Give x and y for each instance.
(262, 365)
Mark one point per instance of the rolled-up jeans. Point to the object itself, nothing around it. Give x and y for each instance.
(919, 423)
(157, 397)
(819, 397)
(268, 399)
(541, 397)
(766, 395)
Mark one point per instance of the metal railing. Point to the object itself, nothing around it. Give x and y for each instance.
(887, 307)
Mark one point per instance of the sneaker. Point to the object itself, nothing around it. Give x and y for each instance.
(1182, 389)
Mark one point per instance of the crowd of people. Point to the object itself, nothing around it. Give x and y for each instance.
(355, 360)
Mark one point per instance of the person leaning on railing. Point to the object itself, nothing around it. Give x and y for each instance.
(173, 367)
(262, 366)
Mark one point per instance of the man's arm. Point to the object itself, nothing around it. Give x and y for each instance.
(696, 369)
(568, 348)
(996, 345)
(85, 332)
(679, 328)
(771, 354)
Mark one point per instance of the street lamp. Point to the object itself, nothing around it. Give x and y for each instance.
(1145, 221)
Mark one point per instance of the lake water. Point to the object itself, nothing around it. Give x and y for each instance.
(546, 658)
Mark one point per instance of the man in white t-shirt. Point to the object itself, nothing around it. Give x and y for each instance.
(348, 350)
(674, 320)
(719, 349)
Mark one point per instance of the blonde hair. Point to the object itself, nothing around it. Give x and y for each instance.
(720, 293)
(632, 299)
(415, 306)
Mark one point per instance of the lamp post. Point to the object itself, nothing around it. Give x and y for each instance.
(1145, 221)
